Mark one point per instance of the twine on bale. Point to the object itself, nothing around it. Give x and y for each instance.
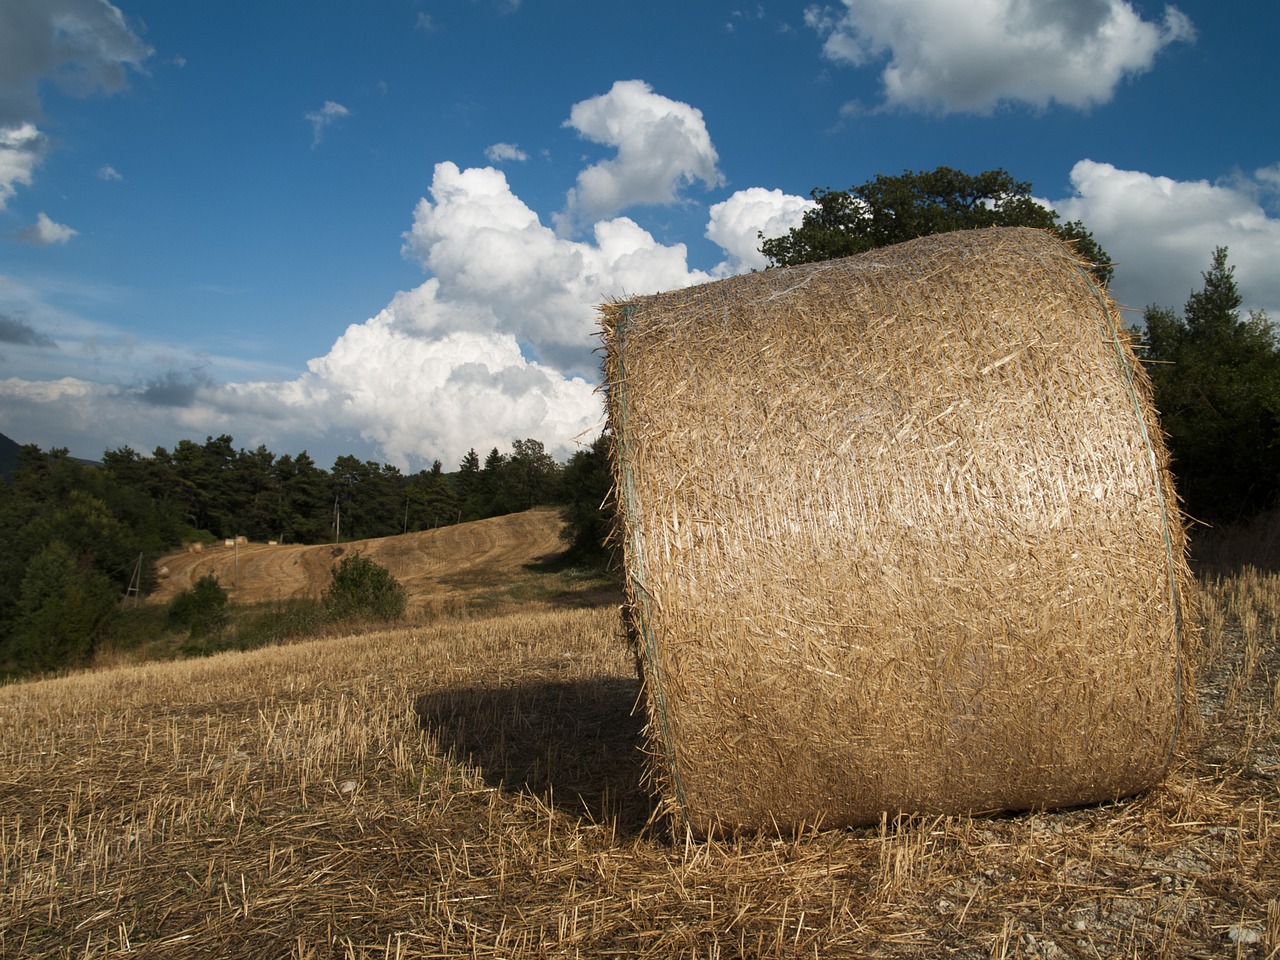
(892, 541)
(1125, 363)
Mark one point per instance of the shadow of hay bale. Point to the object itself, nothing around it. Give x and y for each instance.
(589, 598)
(576, 744)
(1226, 549)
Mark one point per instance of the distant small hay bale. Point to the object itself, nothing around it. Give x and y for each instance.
(899, 536)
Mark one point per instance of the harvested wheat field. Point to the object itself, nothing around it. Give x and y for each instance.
(472, 788)
(436, 566)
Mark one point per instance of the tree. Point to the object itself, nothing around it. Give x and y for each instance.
(305, 513)
(1216, 378)
(890, 210)
(432, 501)
(360, 587)
(369, 498)
(467, 483)
(586, 484)
(201, 610)
(69, 553)
(257, 493)
(65, 605)
(530, 474)
(488, 495)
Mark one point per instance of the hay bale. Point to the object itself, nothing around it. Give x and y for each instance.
(899, 536)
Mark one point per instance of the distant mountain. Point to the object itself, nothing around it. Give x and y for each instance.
(8, 457)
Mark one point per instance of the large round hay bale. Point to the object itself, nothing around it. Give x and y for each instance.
(899, 536)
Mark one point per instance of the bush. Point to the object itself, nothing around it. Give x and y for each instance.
(278, 622)
(361, 588)
(202, 610)
(65, 606)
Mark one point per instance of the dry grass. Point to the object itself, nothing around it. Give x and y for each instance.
(472, 789)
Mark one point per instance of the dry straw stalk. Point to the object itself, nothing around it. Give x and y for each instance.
(899, 535)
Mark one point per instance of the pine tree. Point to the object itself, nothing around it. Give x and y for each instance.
(1216, 376)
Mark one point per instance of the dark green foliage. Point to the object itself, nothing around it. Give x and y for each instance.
(430, 500)
(1216, 376)
(68, 558)
(200, 611)
(277, 622)
(889, 210)
(587, 484)
(303, 501)
(361, 588)
(531, 475)
(368, 498)
(64, 607)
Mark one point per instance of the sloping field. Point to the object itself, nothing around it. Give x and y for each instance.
(434, 565)
(472, 788)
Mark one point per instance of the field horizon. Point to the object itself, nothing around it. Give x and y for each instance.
(471, 784)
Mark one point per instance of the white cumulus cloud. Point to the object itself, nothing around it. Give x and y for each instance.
(497, 267)
(973, 56)
(737, 223)
(497, 343)
(662, 146)
(1162, 232)
(45, 232)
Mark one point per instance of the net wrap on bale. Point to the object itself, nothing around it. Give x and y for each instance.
(899, 536)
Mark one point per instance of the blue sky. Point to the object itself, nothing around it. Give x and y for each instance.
(382, 227)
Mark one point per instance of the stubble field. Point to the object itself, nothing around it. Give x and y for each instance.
(471, 786)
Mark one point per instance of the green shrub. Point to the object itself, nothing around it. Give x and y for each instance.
(64, 607)
(362, 588)
(202, 610)
(279, 621)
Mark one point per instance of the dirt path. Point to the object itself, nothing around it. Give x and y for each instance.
(432, 564)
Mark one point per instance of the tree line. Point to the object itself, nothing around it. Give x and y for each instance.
(81, 536)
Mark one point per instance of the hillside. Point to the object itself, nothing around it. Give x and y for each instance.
(438, 567)
(8, 457)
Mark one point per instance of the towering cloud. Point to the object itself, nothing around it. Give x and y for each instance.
(662, 145)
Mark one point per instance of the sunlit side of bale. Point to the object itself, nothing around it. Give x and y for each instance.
(899, 536)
